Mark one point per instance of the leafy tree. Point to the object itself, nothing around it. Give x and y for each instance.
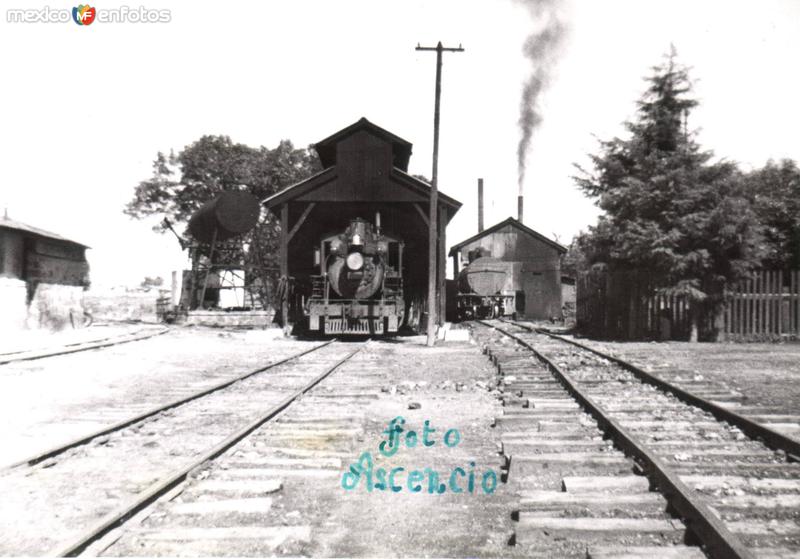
(670, 212)
(575, 260)
(152, 282)
(181, 183)
(775, 194)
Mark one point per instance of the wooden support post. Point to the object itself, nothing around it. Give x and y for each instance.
(751, 305)
(766, 290)
(210, 265)
(442, 264)
(770, 298)
(779, 286)
(794, 319)
(480, 205)
(175, 292)
(433, 252)
(285, 263)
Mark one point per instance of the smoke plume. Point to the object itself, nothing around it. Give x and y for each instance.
(541, 48)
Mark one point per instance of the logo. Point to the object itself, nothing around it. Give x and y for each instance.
(84, 14)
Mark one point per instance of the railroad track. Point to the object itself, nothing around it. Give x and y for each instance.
(725, 490)
(267, 496)
(152, 411)
(101, 480)
(66, 349)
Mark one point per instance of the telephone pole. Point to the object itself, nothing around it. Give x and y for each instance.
(433, 231)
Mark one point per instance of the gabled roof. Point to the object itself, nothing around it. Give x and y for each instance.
(315, 181)
(401, 149)
(424, 188)
(299, 188)
(514, 223)
(7, 223)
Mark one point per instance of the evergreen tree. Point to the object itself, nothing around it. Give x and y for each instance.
(670, 212)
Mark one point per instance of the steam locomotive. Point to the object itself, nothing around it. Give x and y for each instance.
(360, 286)
(483, 290)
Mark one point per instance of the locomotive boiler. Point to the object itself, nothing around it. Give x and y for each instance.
(483, 290)
(360, 288)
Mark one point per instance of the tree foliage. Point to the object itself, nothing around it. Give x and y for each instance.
(575, 259)
(678, 220)
(181, 183)
(669, 210)
(152, 282)
(774, 191)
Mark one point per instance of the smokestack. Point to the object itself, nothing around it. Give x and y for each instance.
(480, 205)
(519, 207)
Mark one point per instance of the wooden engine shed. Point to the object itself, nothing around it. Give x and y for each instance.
(535, 270)
(365, 173)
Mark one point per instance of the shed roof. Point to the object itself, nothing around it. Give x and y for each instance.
(326, 149)
(315, 181)
(514, 223)
(401, 149)
(7, 223)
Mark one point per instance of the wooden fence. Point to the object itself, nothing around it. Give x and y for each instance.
(621, 305)
(765, 306)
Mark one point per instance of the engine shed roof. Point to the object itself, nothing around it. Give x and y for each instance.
(401, 149)
(362, 163)
(515, 224)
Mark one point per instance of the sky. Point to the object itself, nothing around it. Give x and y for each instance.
(87, 108)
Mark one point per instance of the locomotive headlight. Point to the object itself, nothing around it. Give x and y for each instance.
(355, 261)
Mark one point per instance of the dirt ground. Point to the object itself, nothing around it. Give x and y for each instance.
(49, 401)
(767, 374)
(449, 387)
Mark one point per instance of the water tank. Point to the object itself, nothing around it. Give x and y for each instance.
(230, 213)
(484, 276)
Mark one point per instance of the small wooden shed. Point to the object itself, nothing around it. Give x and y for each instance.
(535, 270)
(42, 276)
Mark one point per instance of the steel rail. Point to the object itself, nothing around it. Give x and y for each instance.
(118, 516)
(752, 429)
(4, 354)
(70, 348)
(54, 451)
(710, 530)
